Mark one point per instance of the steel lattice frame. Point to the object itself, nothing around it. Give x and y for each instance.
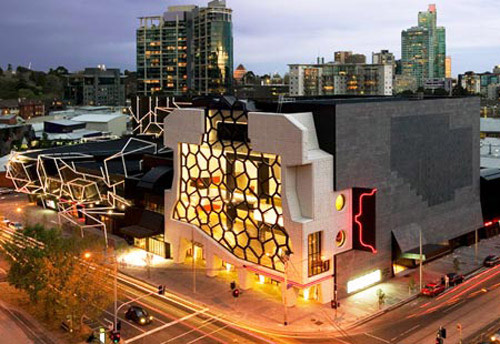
(233, 193)
(55, 175)
(151, 123)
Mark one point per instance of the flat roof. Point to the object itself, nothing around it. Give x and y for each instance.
(63, 122)
(98, 118)
(490, 125)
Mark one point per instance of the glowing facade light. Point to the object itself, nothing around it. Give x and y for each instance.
(87, 255)
(364, 281)
(228, 267)
(262, 279)
(306, 293)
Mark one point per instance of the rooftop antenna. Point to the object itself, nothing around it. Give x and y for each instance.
(29, 66)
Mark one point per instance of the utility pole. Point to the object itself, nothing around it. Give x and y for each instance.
(420, 259)
(335, 290)
(285, 292)
(193, 262)
(115, 291)
(476, 235)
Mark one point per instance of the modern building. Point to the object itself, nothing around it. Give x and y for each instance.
(114, 124)
(478, 83)
(187, 50)
(343, 57)
(490, 127)
(423, 48)
(96, 86)
(404, 83)
(384, 57)
(444, 84)
(447, 67)
(114, 186)
(340, 79)
(332, 193)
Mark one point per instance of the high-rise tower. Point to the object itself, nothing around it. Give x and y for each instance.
(423, 48)
(188, 50)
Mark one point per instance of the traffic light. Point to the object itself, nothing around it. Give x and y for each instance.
(118, 325)
(232, 285)
(161, 289)
(334, 304)
(442, 332)
(236, 292)
(115, 336)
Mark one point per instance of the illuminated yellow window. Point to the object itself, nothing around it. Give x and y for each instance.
(340, 202)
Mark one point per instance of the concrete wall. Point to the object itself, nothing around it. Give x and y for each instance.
(423, 157)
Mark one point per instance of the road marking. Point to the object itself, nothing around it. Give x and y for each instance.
(166, 325)
(454, 306)
(127, 322)
(205, 323)
(377, 338)
(406, 332)
(208, 334)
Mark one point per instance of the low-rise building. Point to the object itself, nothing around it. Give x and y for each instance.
(114, 124)
(341, 79)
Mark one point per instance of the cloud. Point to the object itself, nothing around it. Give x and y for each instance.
(268, 34)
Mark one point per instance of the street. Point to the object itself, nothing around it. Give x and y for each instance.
(473, 304)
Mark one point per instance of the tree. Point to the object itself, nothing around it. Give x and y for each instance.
(9, 67)
(411, 284)
(381, 298)
(55, 278)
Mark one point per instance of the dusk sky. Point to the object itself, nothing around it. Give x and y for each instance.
(267, 34)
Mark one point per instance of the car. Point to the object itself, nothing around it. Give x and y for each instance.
(433, 289)
(15, 225)
(6, 191)
(454, 279)
(5, 222)
(138, 315)
(495, 338)
(491, 260)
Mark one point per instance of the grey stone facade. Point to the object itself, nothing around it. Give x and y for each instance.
(423, 157)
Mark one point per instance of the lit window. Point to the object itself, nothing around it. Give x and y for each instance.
(340, 202)
(340, 238)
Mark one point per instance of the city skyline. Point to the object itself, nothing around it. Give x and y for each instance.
(267, 36)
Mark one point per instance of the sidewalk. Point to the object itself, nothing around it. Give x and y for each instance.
(265, 310)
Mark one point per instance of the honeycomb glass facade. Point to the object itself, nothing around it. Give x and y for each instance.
(233, 193)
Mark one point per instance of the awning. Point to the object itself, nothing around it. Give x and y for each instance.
(158, 177)
(150, 224)
(407, 237)
(140, 232)
(429, 251)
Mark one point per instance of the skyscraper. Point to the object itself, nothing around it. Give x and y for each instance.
(187, 50)
(423, 48)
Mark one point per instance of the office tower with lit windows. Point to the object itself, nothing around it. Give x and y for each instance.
(424, 48)
(187, 50)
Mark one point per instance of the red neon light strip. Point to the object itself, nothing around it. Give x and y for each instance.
(368, 194)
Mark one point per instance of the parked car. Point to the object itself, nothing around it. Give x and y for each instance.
(138, 315)
(6, 191)
(15, 225)
(491, 260)
(432, 289)
(454, 279)
(495, 338)
(5, 222)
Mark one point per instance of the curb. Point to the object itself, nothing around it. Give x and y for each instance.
(351, 326)
(382, 312)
